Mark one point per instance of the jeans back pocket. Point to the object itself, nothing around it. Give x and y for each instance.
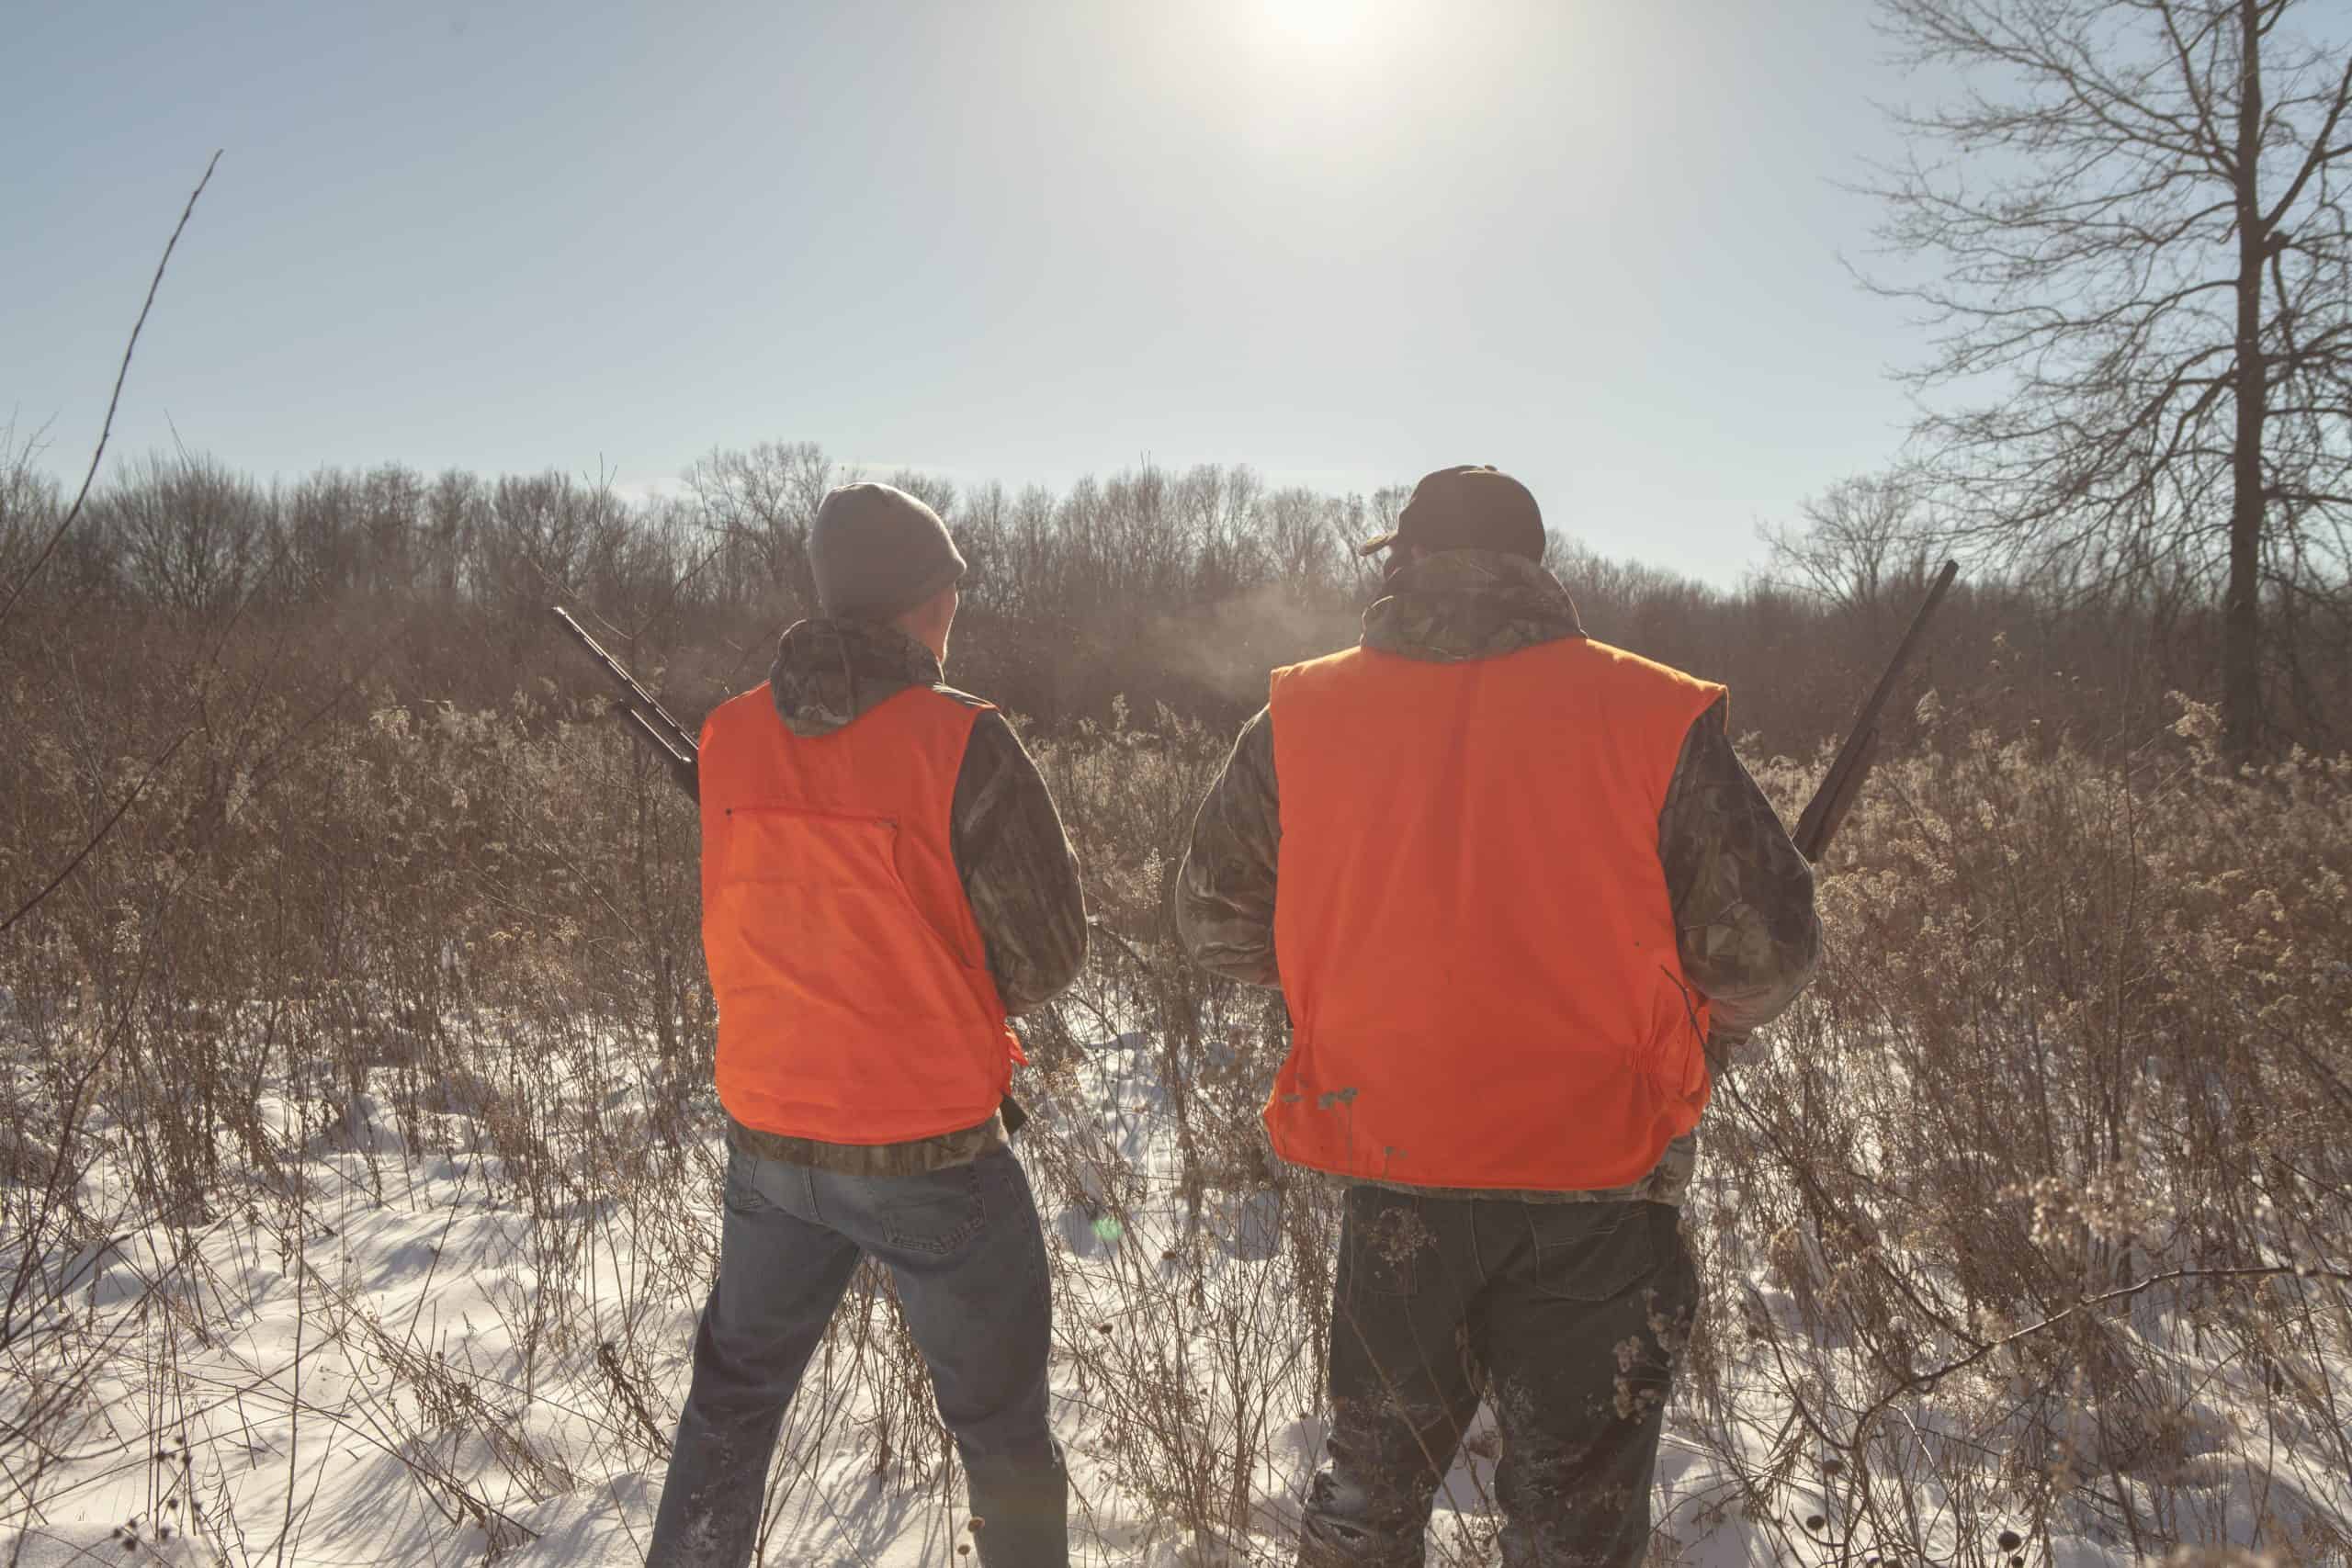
(936, 1213)
(1595, 1252)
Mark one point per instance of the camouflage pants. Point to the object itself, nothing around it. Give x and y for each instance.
(1567, 1316)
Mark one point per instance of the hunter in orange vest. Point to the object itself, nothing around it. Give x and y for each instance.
(884, 882)
(856, 1004)
(1529, 903)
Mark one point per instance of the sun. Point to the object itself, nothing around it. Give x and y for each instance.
(1319, 32)
(1334, 25)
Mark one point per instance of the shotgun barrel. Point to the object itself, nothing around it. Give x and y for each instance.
(669, 741)
(1827, 811)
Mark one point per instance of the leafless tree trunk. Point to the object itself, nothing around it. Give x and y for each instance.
(2240, 624)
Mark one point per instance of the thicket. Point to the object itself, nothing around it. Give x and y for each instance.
(1157, 588)
(2032, 1221)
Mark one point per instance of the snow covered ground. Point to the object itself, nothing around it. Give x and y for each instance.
(453, 1329)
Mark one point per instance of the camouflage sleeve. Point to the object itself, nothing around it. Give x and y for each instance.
(1743, 896)
(1018, 869)
(1225, 894)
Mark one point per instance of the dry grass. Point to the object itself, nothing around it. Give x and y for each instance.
(2083, 1035)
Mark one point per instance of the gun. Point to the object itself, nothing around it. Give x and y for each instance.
(669, 741)
(680, 754)
(1826, 812)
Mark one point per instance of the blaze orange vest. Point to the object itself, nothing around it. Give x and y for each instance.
(1472, 926)
(856, 1004)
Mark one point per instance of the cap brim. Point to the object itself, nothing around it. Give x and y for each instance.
(1373, 547)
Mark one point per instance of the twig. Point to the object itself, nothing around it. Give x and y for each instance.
(106, 429)
(1143, 963)
(1921, 1383)
(104, 829)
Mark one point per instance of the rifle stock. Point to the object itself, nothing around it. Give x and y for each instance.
(1826, 812)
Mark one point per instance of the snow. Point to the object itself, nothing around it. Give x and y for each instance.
(457, 1332)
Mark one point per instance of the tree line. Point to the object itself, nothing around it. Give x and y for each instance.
(1142, 590)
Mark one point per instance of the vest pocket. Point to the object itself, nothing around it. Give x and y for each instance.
(800, 892)
(1676, 1061)
(842, 1014)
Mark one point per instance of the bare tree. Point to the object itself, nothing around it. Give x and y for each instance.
(29, 499)
(934, 491)
(1217, 504)
(1862, 539)
(1304, 533)
(193, 536)
(762, 501)
(2143, 249)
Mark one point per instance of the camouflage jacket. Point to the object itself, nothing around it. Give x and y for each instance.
(1015, 862)
(1741, 893)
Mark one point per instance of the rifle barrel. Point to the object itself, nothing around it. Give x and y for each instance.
(1893, 670)
(1843, 782)
(676, 749)
(678, 739)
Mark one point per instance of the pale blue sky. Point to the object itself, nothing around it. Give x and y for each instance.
(1594, 243)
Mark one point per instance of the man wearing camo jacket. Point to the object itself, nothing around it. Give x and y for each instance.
(884, 882)
(1530, 904)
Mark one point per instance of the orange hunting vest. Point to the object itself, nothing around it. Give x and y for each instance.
(1472, 926)
(856, 1004)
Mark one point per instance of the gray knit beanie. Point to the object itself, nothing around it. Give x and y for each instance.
(878, 551)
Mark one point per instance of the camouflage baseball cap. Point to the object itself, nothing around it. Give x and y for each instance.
(1473, 507)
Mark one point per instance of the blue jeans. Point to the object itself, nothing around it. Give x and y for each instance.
(965, 1250)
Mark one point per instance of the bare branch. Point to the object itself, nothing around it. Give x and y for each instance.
(99, 837)
(2321, 154)
(106, 429)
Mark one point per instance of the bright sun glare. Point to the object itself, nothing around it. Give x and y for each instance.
(1315, 21)
(1328, 32)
